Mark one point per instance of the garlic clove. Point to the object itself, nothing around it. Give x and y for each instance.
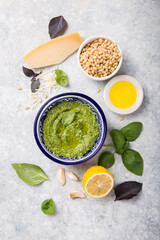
(61, 176)
(77, 194)
(72, 176)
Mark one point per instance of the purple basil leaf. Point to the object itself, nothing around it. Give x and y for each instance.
(35, 84)
(28, 72)
(36, 74)
(57, 26)
(127, 190)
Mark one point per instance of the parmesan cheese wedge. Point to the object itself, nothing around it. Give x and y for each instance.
(54, 51)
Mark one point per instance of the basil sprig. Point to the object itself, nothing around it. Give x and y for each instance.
(131, 159)
(123, 149)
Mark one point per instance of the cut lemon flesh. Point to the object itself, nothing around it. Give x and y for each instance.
(97, 182)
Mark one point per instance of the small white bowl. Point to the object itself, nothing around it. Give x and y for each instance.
(91, 39)
(138, 101)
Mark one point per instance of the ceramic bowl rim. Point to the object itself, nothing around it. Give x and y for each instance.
(104, 132)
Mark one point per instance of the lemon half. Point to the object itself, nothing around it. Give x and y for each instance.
(97, 182)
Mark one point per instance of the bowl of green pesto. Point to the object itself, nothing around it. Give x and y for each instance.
(70, 128)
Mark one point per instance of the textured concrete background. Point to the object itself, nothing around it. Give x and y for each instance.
(135, 26)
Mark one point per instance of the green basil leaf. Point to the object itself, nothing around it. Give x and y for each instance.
(126, 146)
(132, 131)
(29, 173)
(47, 206)
(133, 161)
(122, 150)
(106, 159)
(61, 77)
(117, 138)
(68, 118)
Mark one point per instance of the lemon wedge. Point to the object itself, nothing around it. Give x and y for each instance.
(97, 182)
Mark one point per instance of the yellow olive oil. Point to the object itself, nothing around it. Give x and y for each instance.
(123, 94)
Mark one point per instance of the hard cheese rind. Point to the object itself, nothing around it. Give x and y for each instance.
(54, 51)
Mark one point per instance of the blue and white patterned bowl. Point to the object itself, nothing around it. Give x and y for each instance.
(72, 96)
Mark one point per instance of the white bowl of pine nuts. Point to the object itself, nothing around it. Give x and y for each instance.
(99, 58)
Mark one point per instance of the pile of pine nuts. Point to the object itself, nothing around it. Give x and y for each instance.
(100, 58)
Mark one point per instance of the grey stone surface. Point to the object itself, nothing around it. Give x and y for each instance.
(135, 26)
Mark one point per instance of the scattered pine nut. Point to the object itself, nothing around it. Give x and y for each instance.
(26, 108)
(19, 88)
(33, 97)
(98, 90)
(45, 96)
(121, 118)
(19, 107)
(39, 100)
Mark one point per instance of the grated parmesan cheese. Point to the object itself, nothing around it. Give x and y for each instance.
(47, 83)
(19, 107)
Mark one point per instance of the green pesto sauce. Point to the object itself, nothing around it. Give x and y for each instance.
(76, 139)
